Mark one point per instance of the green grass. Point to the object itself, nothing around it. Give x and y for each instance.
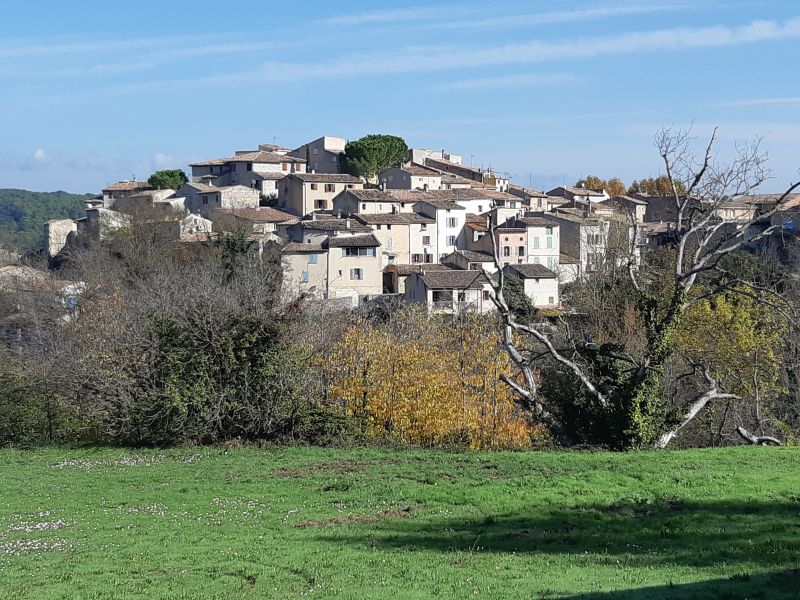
(197, 524)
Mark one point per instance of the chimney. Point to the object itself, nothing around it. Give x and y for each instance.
(425, 187)
(383, 186)
(339, 214)
(347, 223)
(314, 216)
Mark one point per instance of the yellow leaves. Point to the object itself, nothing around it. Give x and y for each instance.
(429, 385)
(738, 337)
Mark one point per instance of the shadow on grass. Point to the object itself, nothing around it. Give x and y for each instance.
(781, 585)
(626, 534)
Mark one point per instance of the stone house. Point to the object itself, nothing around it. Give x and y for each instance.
(449, 291)
(539, 282)
(323, 155)
(304, 193)
(122, 189)
(343, 267)
(543, 239)
(368, 201)
(410, 177)
(450, 219)
(470, 260)
(406, 238)
(316, 230)
(203, 198)
(579, 193)
(263, 220)
(395, 276)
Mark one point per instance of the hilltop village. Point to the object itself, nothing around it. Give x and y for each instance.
(428, 230)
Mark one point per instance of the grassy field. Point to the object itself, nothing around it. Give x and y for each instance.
(197, 524)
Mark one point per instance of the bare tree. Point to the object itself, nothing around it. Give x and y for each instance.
(708, 225)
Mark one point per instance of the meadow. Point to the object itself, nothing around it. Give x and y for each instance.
(196, 523)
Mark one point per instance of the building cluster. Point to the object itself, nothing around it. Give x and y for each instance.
(426, 229)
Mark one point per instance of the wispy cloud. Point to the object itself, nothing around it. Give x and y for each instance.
(393, 15)
(428, 60)
(759, 102)
(563, 16)
(505, 81)
(459, 17)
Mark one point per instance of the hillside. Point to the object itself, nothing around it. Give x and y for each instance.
(23, 214)
(325, 523)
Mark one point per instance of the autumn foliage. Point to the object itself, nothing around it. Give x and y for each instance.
(428, 382)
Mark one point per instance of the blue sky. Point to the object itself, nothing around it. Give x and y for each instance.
(95, 92)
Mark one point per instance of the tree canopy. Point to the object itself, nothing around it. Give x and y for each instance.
(613, 186)
(168, 179)
(371, 154)
(658, 186)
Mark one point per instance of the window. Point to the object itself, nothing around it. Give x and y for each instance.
(205, 199)
(388, 226)
(284, 166)
(358, 251)
(452, 221)
(312, 259)
(426, 240)
(521, 251)
(480, 208)
(378, 227)
(536, 280)
(474, 266)
(356, 274)
(485, 294)
(549, 242)
(339, 273)
(451, 240)
(548, 230)
(462, 296)
(330, 187)
(316, 151)
(363, 207)
(249, 166)
(416, 258)
(551, 300)
(314, 186)
(320, 204)
(429, 258)
(423, 226)
(304, 277)
(550, 263)
(536, 242)
(536, 260)
(390, 178)
(506, 250)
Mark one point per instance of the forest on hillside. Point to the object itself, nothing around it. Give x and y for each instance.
(24, 213)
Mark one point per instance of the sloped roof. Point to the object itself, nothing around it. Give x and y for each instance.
(453, 279)
(473, 256)
(298, 248)
(325, 178)
(443, 204)
(533, 271)
(353, 241)
(264, 157)
(372, 195)
(334, 225)
(128, 186)
(536, 222)
(260, 215)
(394, 219)
(406, 270)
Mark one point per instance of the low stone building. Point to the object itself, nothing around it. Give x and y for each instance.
(449, 291)
(203, 198)
(539, 282)
(304, 193)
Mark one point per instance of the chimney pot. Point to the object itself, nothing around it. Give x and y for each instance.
(347, 223)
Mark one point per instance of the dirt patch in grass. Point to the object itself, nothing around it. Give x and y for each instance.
(400, 513)
(340, 466)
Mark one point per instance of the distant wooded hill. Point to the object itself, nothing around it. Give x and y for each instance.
(23, 215)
